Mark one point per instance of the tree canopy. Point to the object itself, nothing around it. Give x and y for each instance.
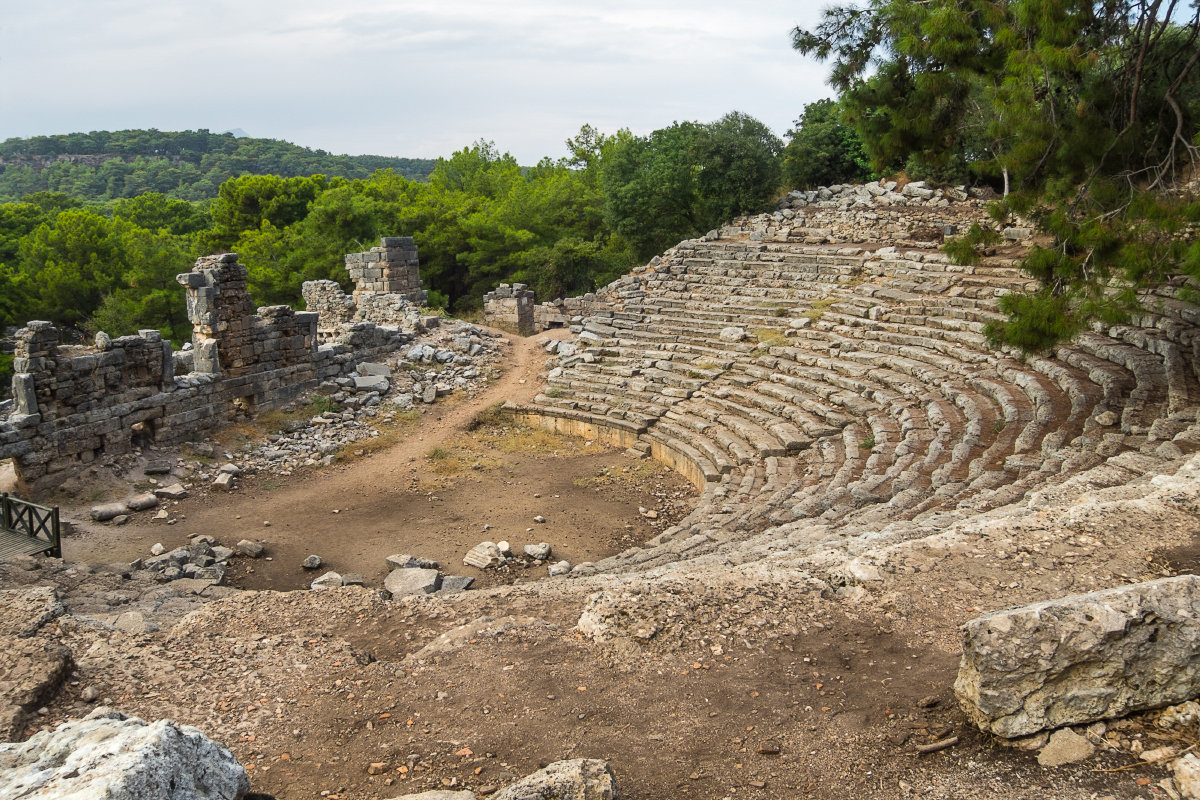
(822, 150)
(1087, 111)
(686, 179)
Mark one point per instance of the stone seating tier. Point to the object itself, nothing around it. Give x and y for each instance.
(862, 391)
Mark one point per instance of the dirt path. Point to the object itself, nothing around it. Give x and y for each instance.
(359, 511)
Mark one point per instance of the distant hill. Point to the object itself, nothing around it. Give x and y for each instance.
(189, 165)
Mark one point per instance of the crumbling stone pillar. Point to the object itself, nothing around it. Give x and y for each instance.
(220, 310)
(510, 307)
(391, 268)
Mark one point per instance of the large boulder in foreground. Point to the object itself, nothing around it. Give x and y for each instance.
(1083, 658)
(110, 755)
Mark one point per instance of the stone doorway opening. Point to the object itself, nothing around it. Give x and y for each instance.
(142, 434)
(243, 408)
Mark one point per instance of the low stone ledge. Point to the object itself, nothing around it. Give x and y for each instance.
(1083, 658)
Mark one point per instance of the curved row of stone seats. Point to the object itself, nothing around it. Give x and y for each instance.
(879, 401)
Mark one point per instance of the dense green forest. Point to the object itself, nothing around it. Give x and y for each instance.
(188, 165)
(564, 226)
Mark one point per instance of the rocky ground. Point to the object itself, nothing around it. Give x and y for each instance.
(772, 679)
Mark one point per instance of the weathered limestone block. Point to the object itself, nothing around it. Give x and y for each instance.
(1083, 658)
(576, 779)
(414, 580)
(110, 755)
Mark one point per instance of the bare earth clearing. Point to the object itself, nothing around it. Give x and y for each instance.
(398, 500)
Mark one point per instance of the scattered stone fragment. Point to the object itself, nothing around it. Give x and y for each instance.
(173, 492)
(456, 583)
(142, 502)
(103, 513)
(732, 334)
(405, 561)
(1187, 777)
(312, 562)
(353, 579)
(330, 580)
(1065, 747)
(157, 549)
(577, 779)
(223, 482)
(411, 580)
(249, 548)
(559, 568)
(483, 556)
(539, 518)
(538, 551)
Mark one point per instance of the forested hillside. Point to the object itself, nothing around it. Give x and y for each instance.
(186, 165)
(563, 226)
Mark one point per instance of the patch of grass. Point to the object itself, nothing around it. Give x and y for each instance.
(868, 442)
(636, 475)
(320, 404)
(768, 338)
(491, 417)
(190, 453)
(555, 391)
(390, 435)
(818, 308)
(707, 365)
(444, 461)
(405, 418)
(237, 435)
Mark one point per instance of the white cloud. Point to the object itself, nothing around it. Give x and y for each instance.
(413, 78)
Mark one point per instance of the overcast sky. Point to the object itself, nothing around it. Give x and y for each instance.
(400, 78)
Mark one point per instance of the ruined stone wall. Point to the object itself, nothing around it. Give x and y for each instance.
(391, 268)
(332, 306)
(76, 404)
(510, 307)
(387, 290)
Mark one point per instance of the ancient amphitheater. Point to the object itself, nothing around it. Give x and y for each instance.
(871, 476)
